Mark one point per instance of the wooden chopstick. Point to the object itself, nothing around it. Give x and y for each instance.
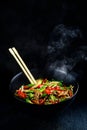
(28, 71)
(23, 66)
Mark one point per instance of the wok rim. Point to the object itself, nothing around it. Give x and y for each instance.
(20, 73)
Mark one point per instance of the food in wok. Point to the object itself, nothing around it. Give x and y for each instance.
(44, 92)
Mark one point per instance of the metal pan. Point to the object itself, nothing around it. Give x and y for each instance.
(20, 79)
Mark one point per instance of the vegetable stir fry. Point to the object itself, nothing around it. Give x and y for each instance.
(44, 92)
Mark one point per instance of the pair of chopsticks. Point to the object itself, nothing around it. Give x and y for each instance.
(22, 65)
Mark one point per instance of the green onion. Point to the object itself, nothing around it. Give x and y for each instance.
(62, 99)
(30, 95)
(42, 88)
(52, 97)
(60, 84)
(30, 85)
(28, 101)
(44, 95)
(28, 91)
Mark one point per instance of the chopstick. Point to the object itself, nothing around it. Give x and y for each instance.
(22, 65)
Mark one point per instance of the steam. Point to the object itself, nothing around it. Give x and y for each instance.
(65, 50)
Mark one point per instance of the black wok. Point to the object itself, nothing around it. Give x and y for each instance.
(20, 79)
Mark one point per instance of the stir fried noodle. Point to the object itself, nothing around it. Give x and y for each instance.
(44, 92)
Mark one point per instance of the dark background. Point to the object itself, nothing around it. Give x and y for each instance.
(28, 25)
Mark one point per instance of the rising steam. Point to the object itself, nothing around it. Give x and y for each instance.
(65, 50)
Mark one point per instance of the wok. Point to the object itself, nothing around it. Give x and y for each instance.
(20, 79)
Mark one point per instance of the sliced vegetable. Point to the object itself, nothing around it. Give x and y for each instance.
(45, 92)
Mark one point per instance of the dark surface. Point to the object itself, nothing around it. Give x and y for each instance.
(13, 117)
(27, 26)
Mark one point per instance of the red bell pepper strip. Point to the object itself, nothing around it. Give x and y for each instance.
(21, 94)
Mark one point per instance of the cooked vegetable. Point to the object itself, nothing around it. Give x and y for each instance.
(45, 92)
